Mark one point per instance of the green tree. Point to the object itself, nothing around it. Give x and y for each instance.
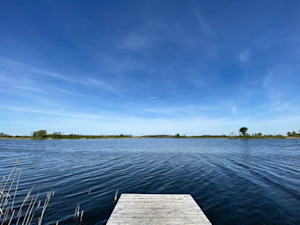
(177, 135)
(40, 134)
(243, 130)
(289, 134)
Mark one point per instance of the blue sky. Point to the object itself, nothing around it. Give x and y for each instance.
(149, 67)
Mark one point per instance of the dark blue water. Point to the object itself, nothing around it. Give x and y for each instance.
(233, 181)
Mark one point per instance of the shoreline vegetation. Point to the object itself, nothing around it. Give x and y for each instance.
(31, 209)
(43, 135)
(12, 212)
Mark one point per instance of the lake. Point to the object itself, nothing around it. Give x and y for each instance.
(233, 181)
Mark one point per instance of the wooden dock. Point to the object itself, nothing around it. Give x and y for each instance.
(157, 209)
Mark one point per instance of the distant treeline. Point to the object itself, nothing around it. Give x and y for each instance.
(257, 136)
(293, 134)
(183, 136)
(3, 135)
(42, 134)
(244, 135)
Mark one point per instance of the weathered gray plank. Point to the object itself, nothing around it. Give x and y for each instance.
(158, 209)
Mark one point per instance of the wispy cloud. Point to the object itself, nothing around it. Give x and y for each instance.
(280, 91)
(165, 68)
(32, 70)
(58, 119)
(244, 56)
(233, 109)
(134, 41)
(267, 80)
(30, 110)
(69, 92)
(205, 27)
(3, 78)
(33, 89)
(98, 123)
(104, 85)
(57, 112)
(187, 109)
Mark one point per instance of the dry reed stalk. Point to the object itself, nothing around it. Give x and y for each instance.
(19, 216)
(77, 209)
(28, 217)
(11, 217)
(8, 178)
(6, 199)
(7, 211)
(13, 181)
(4, 196)
(29, 207)
(25, 200)
(5, 216)
(2, 192)
(81, 215)
(37, 207)
(116, 195)
(47, 200)
(12, 204)
(77, 214)
(7, 193)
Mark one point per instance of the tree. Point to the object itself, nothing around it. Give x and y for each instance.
(41, 134)
(289, 134)
(56, 135)
(4, 135)
(243, 130)
(177, 135)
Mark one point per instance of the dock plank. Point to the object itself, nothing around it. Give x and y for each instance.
(158, 209)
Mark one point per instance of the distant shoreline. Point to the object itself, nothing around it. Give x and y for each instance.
(152, 136)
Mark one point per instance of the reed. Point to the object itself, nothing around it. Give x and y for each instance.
(77, 214)
(23, 213)
(116, 195)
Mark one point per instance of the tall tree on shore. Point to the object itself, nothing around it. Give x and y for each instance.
(243, 130)
(41, 134)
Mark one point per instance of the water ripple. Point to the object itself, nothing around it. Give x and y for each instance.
(234, 181)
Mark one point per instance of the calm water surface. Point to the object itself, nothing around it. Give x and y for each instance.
(234, 181)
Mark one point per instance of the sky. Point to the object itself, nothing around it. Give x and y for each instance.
(149, 67)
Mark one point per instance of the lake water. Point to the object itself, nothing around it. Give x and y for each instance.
(233, 181)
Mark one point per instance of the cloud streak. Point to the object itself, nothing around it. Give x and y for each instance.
(70, 122)
(32, 89)
(18, 67)
(244, 56)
